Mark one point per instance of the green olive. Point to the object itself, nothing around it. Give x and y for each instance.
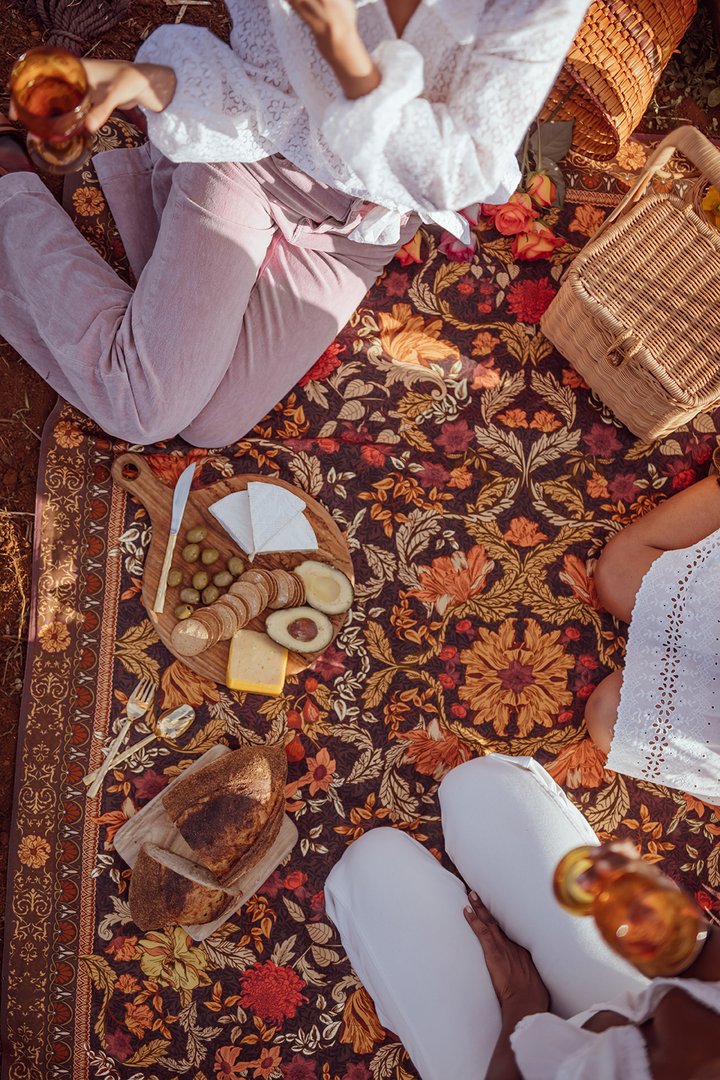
(196, 535)
(200, 579)
(223, 579)
(209, 556)
(191, 552)
(210, 594)
(184, 611)
(175, 577)
(236, 566)
(190, 596)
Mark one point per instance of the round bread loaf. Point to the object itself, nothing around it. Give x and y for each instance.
(166, 889)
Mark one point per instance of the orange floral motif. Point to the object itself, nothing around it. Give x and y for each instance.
(127, 984)
(574, 573)
(587, 220)
(524, 533)
(361, 1028)
(88, 201)
(168, 467)
(67, 434)
(573, 378)
(408, 339)
(580, 765)
(485, 376)
(544, 420)
(123, 948)
(228, 1065)
(432, 751)
(631, 156)
(33, 851)
(514, 418)
(460, 478)
(596, 487)
(319, 775)
(484, 343)
(524, 679)
(54, 637)
(453, 579)
(138, 1018)
(267, 1064)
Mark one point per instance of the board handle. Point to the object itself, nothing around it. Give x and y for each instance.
(132, 472)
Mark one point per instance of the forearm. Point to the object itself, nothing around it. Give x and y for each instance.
(352, 64)
(503, 1065)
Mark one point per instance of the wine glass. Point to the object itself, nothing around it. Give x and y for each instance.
(51, 97)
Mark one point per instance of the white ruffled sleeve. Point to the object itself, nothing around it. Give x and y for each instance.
(412, 153)
(214, 114)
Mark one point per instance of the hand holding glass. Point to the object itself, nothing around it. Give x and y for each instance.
(51, 98)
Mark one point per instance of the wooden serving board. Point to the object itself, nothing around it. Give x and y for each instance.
(153, 825)
(132, 472)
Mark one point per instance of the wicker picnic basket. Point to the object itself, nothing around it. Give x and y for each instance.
(613, 67)
(638, 311)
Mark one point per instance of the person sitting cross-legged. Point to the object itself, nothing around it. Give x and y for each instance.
(506, 984)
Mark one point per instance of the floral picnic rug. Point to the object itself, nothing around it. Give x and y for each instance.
(476, 480)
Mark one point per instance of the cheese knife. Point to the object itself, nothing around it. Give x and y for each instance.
(180, 497)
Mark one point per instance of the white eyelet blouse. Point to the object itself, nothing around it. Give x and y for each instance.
(459, 90)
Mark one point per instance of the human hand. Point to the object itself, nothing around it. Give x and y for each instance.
(115, 84)
(516, 981)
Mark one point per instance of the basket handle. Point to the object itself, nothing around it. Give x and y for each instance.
(692, 144)
(623, 348)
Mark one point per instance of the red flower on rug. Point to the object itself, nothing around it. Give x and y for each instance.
(324, 365)
(272, 992)
(299, 1068)
(528, 300)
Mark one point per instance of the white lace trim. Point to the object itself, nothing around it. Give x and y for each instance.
(668, 724)
(440, 133)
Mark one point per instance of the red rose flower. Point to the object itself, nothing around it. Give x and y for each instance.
(271, 992)
(528, 300)
(325, 365)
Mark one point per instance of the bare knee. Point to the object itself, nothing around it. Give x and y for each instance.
(601, 711)
(607, 573)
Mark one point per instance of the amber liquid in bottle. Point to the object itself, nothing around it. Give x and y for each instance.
(639, 911)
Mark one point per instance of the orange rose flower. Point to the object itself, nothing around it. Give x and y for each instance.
(541, 189)
(538, 242)
(513, 217)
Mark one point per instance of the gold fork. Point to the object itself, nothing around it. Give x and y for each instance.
(138, 704)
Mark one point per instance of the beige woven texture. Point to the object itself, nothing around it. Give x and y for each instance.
(638, 312)
(612, 70)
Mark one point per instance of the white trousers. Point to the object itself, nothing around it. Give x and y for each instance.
(400, 915)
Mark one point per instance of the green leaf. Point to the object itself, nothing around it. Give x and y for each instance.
(553, 139)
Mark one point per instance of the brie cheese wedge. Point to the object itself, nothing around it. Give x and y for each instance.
(265, 518)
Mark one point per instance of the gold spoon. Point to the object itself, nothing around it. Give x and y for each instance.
(168, 726)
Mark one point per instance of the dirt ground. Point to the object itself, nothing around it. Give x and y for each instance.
(25, 401)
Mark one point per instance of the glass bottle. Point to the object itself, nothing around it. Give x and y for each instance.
(640, 912)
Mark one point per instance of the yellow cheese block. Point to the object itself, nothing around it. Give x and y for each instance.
(256, 664)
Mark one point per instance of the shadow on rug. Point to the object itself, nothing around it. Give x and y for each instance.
(476, 480)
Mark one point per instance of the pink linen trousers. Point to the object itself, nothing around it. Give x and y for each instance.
(245, 274)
